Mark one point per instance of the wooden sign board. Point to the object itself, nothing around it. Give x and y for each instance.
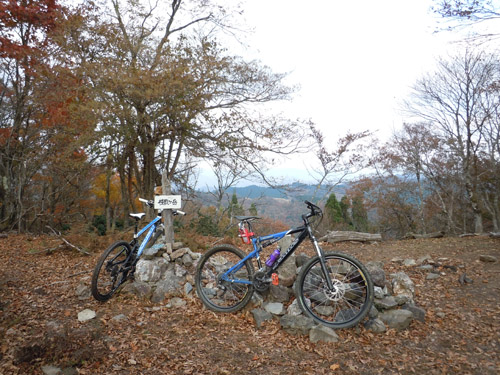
(167, 202)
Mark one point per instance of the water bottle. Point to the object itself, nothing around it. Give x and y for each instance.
(273, 257)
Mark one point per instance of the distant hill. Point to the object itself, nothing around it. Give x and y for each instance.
(285, 204)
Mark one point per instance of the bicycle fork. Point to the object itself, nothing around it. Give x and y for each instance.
(321, 256)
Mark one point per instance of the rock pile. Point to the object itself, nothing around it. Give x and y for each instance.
(164, 270)
(169, 271)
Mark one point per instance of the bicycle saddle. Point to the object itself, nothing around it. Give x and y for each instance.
(137, 216)
(246, 218)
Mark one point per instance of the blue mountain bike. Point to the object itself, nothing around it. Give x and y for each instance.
(332, 288)
(117, 264)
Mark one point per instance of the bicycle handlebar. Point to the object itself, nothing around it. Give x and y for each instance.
(315, 210)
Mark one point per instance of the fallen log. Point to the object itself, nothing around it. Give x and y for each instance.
(342, 236)
(427, 235)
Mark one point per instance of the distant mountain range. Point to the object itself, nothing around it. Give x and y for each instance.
(285, 203)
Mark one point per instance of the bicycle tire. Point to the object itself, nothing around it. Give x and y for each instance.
(109, 273)
(351, 299)
(218, 295)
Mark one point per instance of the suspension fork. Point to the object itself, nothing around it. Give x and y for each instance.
(321, 257)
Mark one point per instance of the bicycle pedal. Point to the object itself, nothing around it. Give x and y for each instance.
(275, 279)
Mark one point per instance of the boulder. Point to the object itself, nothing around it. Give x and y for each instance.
(322, 333)
(397, 319)
(403, 285)
(296, 325)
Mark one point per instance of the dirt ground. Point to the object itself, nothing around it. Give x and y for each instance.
(39, 324)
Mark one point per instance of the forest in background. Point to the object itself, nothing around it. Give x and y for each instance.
(99, 99)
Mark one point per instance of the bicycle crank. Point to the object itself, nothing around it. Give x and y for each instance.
(261, 282)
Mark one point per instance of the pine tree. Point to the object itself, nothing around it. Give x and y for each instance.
(253, 210)
(359, 214)
(333, 210)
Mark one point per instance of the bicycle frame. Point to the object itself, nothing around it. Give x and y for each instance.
(304, 232)
(151, 227)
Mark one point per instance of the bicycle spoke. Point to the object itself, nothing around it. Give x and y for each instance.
(111, 271)
(343, 305)
(220, 291)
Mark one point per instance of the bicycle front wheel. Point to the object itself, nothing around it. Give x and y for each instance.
(350, 299)
(216, 293)
(110, 271)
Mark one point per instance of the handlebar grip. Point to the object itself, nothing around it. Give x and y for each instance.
(149, 203)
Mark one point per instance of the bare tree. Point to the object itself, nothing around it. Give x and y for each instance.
(345, 159)
(453, 101)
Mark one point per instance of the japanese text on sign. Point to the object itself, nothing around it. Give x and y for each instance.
(165, 202)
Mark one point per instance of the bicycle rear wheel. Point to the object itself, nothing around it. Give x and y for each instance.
(350, 299)
(110, 271)
(222, 295)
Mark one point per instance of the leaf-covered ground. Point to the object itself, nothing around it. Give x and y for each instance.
(39, 325)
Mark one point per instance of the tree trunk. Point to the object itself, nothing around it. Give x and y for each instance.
(168, 222)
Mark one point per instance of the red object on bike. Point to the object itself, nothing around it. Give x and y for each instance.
(245, 235)
(275, 279)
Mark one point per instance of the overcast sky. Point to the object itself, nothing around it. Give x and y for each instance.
(354, 61)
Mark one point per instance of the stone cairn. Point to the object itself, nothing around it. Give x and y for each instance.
(168, 270)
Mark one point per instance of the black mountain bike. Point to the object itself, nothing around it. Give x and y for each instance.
(334, 289)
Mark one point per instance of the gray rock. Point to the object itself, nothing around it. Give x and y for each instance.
(397, 319)
(488, 258)
(373, 312)
(377, 273)
(260, 316)
(294, 308)
(401, 299)
(423, 259)
(257, 299)
(177, 245)
(397, 260)
(188, 288)
(147, 271)
(375, 325)
(301, 259)
(179, 253)
(187, 260)
(385, 303)
(378, 292)
(170, 283)
(275, 308)
(432, 276)
(85, 315)
(119, 318)
(402, 285)
(180, 271)
(409, 262)
(141, 289)
(296, 325)
(280, 293)
(158, 295)
(83, 291)
(426, 267)
(287, 272)
(176, 302)
(418, 312)
(150, 252)
(51, 370)
(285, 242)
(321, 333)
